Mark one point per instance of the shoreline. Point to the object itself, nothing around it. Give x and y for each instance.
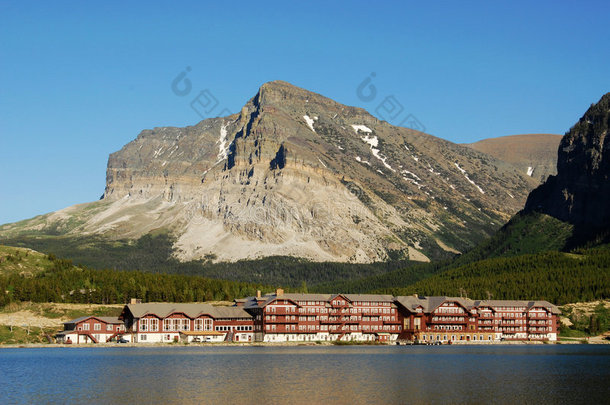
(280, 344)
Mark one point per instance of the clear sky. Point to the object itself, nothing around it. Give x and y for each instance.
(78, 80)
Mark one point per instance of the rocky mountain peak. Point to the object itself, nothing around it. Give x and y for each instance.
(580, 192)
(296, 173)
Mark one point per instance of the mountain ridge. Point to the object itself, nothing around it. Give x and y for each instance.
(295, 173)
(534, 154)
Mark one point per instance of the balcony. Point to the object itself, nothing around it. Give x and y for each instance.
(537, 323)
(282, 319)
(279, 311)
(395, 321)
(340, 320)
(451, 314)
(461, 321)
(538, 329)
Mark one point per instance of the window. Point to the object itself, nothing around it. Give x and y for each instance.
(198, 324)
(97, 326)
(154, 325)
(144, 325)
(85, 326)
(142, 337)
(109, 326)
(207, 324)
(167, 325)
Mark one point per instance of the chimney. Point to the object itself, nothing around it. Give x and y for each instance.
(258, 293)
(416, 296)
(279, 291)
(135, 301)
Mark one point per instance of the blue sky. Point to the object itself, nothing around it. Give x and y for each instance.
(78, 80)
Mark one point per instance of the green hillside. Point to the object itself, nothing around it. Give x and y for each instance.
(153, 253)
(27, 262)
(554, 276)
(522, 261)
(523, 234)
(61, 281)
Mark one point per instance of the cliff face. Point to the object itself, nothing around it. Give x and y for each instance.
(295, 173)
(580, 192)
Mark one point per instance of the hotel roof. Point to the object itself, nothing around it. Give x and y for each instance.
(191, 310)
(429, 304)
(252, 302)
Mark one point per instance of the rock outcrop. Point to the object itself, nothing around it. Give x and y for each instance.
(580, 192)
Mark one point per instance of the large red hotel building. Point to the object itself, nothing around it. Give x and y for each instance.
(291, 317)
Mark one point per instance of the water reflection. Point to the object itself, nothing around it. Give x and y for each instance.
(305, 375)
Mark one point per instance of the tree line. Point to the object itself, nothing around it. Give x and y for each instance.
(553, 276)
(64, 282)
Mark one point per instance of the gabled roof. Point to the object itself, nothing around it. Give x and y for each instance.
(369, 297)
(163, 310)
(544, 304)
(253, 302)
(105, 319)
(429, 304)
(305, 297)
(527, 304)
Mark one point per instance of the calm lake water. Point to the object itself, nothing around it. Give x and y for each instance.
(549, 374)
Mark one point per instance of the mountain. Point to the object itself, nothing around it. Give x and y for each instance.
(534, 154)
(580, 192)
(557, 248)
(570, 209)
(293, 174)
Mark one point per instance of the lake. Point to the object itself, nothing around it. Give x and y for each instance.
(519, 374)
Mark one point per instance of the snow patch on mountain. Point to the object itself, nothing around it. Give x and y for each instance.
(373, 142)
(223, 148)
(309, 122)
(362, 128)
(468, 178)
